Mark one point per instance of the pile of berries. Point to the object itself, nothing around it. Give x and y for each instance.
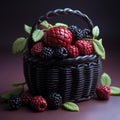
(62, 42)
(37, 103)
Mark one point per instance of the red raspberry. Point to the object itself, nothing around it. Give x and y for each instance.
(36, 49)
(26, 98)
(72, 51)
(58, 37)
(85, 47)
(38, 103)
(103, 92)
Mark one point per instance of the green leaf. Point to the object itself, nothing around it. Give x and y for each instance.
(19, 44)
(71, 106)
(114, 90)
(105, 79)
(95, 31)
(16, 91)
(37, 35)
(61, 24)
(45, 24)
(100, 40)
(17, 84)
(99, 48)
(27, 29)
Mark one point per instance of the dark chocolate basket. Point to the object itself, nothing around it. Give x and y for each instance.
(75, 79)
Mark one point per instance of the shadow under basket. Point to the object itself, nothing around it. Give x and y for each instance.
(75, 79)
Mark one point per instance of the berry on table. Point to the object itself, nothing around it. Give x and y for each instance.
(38, 103)
(103, 92)
(54, 100)
(14, 102)
(58, 37)
(26, 98)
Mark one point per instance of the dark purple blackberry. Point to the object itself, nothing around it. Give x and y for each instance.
(14, 102)
(54, 100)
(72, 28)
(61, 53)
(77, 33)
(46, 53)
(87, 33)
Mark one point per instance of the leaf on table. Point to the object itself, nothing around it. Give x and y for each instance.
(114, 90)
(105, 79)
(70, 106)
(17, 84)
(16, 91)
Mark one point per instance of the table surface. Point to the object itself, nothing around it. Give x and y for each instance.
(12, 71)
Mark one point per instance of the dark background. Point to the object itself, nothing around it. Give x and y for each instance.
(104, 13)
(15, 13)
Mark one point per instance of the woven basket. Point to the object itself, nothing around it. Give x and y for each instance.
(75, 79)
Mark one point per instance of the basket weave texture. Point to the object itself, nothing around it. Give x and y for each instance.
(75, 79)
(74, 82)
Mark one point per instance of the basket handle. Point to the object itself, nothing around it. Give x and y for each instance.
(67, 11)
(58, 12)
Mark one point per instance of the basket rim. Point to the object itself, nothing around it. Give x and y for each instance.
(60, 62)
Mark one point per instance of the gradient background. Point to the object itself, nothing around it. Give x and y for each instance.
(15, 13)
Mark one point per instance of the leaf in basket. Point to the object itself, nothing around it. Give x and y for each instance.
(19, 44)
(27, 29)
(70, 106)
(16, 91)
(17, 84)
(37, 35)
(60, 24)
(97, 44)
(105, 79)
(114, 90)
(44, 24)
(95, 31)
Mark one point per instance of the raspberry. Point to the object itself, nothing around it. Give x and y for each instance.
(58, 37)
(26, 98)
(103, 92)
(38, 103)
(61, 52)
(36, 49)
(54, 101)
(85, 47)
(14, 102)
(72, 51)
(46, 53)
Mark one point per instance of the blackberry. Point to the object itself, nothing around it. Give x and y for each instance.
(46, 53)
(61, 52)
(54, 100)
(72, 28)
(14, 102)
(87, 33)
(77, 33)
